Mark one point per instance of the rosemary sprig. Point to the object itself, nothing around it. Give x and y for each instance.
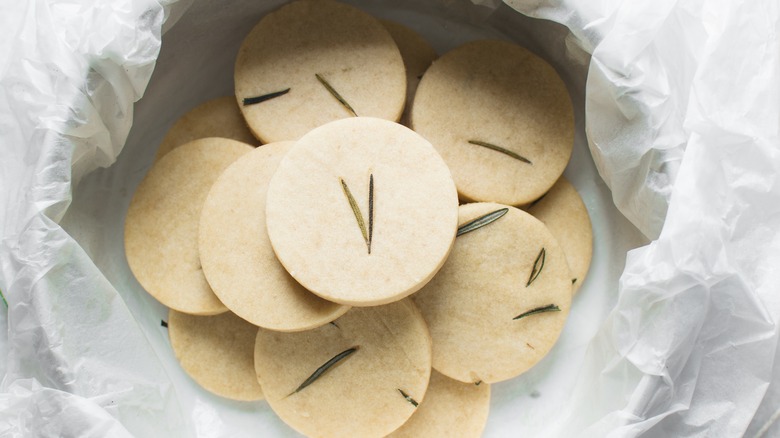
(543, 309)
(263, 98)
(408, 398)
(164, 323)
(477, 383)
(370, 210)
(573, 280)
(481, 221)
(538, 266)
(325, 367)
(500, 149)
(3, 297)
(335, 94)
(368, 234)
(355, 209)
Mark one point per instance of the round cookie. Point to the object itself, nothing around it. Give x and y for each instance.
(296, 61)
(450, 409)
(214, 118)
(237, 257)
(217, 352)
(417, 55)
(359, 376)
(500, 301)
(362, 211)
(500, 117)
(161, 226)
(565, 215)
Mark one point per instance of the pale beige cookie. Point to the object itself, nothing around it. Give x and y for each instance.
(478, 305)
(237, 257)
(214, 118)
(217, 352)
(360, 376)
(417, 55)
(396, 235)
(450, 409)
(565, 215)
(298, 59)
(501, 118)
(161, 227)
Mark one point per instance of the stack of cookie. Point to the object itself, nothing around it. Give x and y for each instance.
(364, 277)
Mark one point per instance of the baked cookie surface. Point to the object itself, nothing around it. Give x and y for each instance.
(360, 376)
(417, 54)
(566, 216)
(218, 117)
(500, 301)
(310, 51)
(236, 253)
(450, 409)
(362, 211)
(217, 352)
(501, 118)
(161, 226)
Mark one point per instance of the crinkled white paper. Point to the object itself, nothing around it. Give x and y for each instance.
(681, 105)
(77, 363)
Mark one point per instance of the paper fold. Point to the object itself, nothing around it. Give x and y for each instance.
(683, 107)
(77, 365)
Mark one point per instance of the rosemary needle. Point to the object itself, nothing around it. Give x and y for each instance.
(263, 98)
(543, 309)
(500, 149)
(335, 94)
(325, 367)
(355, 210)
(370, 210)
(408, 398)
(481, 221)
(538, 266)
(368, 235)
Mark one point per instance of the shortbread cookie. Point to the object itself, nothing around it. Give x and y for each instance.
(500, 302)
(565, 215)
(417, 55)
(315, 61)
(361, 376)
(450, 409)
(217, 352)
(161, 227)
(362, 211)
(501, 118)
(237, 257)
(214, 118)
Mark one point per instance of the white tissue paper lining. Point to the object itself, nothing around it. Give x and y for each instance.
(681, 110)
